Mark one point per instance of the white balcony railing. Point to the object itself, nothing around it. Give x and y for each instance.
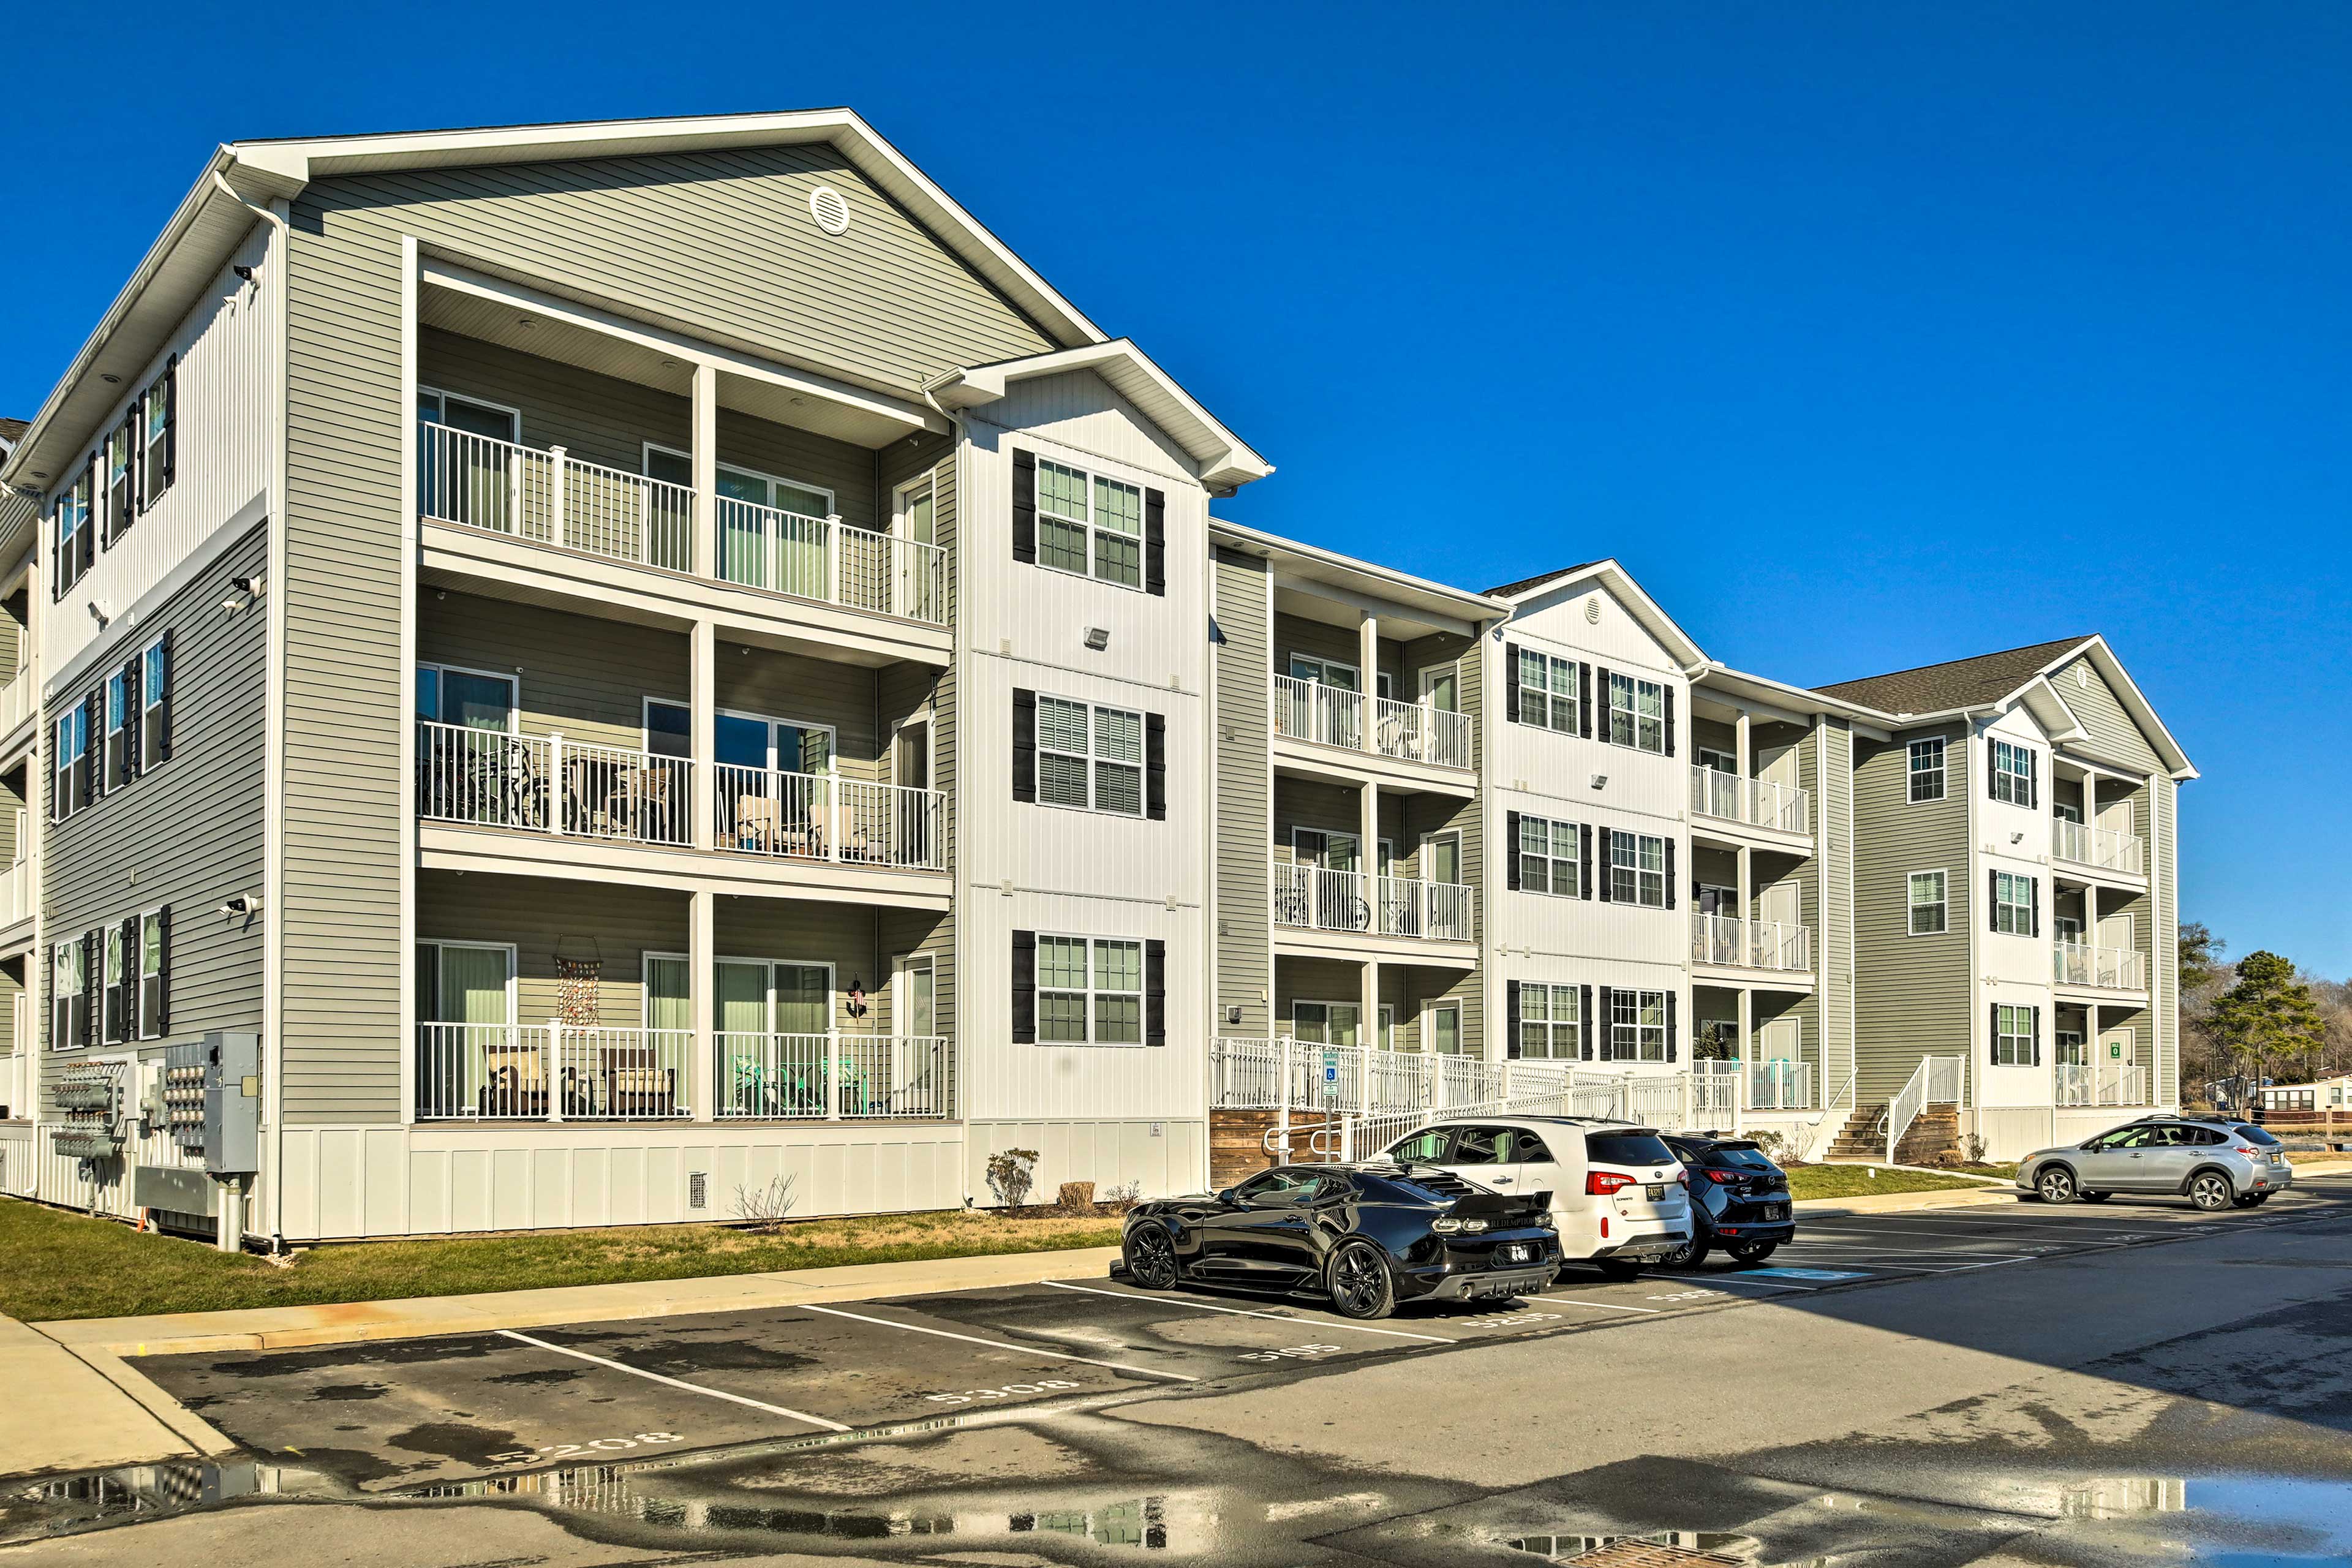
(1751, 945)
(545, 784)
(1777, 1084)
(2108, 968)
(824, 816)
(552, 1072)
(2109, 848)
(1315, 898)
(551, 497)
(16, 893)
(1409, 732)
(16, 701)
(832, 1077)
(1394, 1090)
(1759, 803)
(2101, 1083)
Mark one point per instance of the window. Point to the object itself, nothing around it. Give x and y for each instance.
(155, 940)
(1927, 770)
(1548, 858)
(1637, 1026)
(2013, 901)
(1929, 903)
(1718, 761)
(121, 476)
(112, 995)
(2012, 773)
(70, 556)
(1089, 991)
(1637, 714)
(1444, 1029)
(69, 1024)
(1330, 673)
(72, 759)
(1551, 1022)
(1546, 691)
(119, 720)
(1637, 870)
(1089, 757)
(757, 741)
(2014, 1043)
(466, 699)
(1089, 524)
(467, 414)
(160, 406)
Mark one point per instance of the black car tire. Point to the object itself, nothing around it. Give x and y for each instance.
(2210, 1191)
(2095, 1197)
(1359, 1282)
(1620, 1270)
(2250, 1200)
(1753, 1251)
(2261, 1198)
(2055, 1185)
(1150, 1254)
(1691, 1254)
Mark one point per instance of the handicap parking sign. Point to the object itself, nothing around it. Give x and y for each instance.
(1331, 1075)
(1814, 1274)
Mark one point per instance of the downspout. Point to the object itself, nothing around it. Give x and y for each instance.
(958, 435)
(273, 826)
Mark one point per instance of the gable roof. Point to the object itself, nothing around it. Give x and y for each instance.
(1512, 590)
(11, 432)
(1973, 682)
(1647, 611)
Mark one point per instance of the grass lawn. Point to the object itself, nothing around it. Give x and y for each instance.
(58, 1265)
(1855, 1181)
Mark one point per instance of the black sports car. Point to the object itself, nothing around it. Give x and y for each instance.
(1368, 1237)
(1739, 1200)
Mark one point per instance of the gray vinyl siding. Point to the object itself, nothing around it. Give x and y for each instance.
(1296, 634)
(2164, 975)
(12, 634)
(1912, 994)
(2112, 735)
(1833, 960)
(187, 833)
(20, 512)
(1243, 786)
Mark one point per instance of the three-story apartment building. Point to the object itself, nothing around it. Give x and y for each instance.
(659, 668)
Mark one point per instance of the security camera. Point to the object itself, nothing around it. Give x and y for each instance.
(241, 904)
(242, 270)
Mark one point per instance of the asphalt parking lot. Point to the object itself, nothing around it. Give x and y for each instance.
(389, 1416)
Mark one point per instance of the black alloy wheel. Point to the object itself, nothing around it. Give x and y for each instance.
(1359, 1282)
(1691, 1254)
(1151, 1258)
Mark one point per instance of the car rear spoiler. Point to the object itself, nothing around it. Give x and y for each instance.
(1501, 1208)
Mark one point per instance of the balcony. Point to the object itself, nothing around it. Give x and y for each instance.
(1725, 943)
(2101, 1083)
(555, 500)
(15, 892)
(1414, 735)
(558, 1072)
(2101, 849)
(1777, 1084)
(2099, 968)
(18, 701)
(1309, 897)
(1751, 803)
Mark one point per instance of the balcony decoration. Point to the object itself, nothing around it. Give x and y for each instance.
(579, 999)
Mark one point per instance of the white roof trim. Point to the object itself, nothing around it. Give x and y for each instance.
(1647, 610)
(2135, 705)
(2049, 708)
(1225, 461)
(1373, 580)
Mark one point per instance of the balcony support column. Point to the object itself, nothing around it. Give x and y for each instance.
(1368, 1016)
(702, 721)
(1747, 906)
(1368, 666)
(701, 987)
(1746, 1026)
(705, 456)
(1742, 757)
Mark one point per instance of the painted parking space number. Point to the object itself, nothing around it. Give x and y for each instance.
(1293, 1353)
(1010, 1391)
(588, 1450)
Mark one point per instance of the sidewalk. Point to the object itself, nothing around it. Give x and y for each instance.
(65, 1412)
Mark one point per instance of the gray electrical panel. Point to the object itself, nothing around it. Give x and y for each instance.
(212, 1100)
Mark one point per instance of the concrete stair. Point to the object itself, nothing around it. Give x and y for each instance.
(1863, 1137)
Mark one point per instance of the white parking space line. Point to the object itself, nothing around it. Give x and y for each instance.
(706, 1392)
(1246, 1312)
(1711, 1280)
(999, 1344)
(1604, 1306)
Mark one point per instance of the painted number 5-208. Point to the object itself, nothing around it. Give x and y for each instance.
(1010, 1391)
(593, 1448)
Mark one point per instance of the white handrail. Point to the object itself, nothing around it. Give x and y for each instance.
(1727, 941)
(1779, 1084)
(824, 816)
(1314, 898)
(2108, 847)
(1761, 803)
(832, 1077)
(491, 778)
(2108, 968)
(552, 1072)
(1331, 716)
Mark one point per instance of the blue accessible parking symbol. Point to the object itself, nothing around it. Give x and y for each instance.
(1815, 1274)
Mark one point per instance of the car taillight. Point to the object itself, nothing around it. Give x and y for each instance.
(2251, 1153)
(1448, 1226)
(1682, 1175)
(1726, 1177)
(1601, 1183)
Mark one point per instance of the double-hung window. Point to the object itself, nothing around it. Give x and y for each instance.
(2012, 903)
(69, 1024)
(1089, 991)
(1546, 691)
(2012, 773)
(160, 414)
(1548, 852)
(1637, 714)
(112, 995)
(1637, 870)
(2015, 1044)
(72, 759)
(69, 556)
(1927, 770)
(1089, 524)
(1551, 1022)
(1929, 903)
(1088, 756)
(1637, 1026)
(119, 720)
(121, 476)
(155, 936)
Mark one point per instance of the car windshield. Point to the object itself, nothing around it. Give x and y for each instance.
(1627, 1149)
(1745, 1156)
(2256, 1135)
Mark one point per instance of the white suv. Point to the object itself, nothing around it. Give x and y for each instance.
(1618, 1198)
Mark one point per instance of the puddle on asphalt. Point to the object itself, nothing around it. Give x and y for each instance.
(63, 1504)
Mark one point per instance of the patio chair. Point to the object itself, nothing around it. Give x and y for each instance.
(758, 821)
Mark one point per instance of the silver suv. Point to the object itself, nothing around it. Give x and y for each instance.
(2216, 1163)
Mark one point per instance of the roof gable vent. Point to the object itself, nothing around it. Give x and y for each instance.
(830, 208)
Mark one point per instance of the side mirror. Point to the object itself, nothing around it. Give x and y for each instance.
(1226, 1196)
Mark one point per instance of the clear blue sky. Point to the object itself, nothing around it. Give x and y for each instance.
(1866, 335)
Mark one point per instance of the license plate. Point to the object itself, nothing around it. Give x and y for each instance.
(1776, 1211)
(1513, 1252)
(1656, 1191)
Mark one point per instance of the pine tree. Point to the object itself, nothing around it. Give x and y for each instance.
(2267, 1016)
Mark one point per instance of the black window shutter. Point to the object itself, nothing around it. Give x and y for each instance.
(2035, 889)
(57, 555)
(1608, 1047)
(91, 949)
(86, 542)
(1511, 1019)
(1670, 874)
(1025, 744)
(1584, 860)
(1584, 1022)
(1024, 987)
(1671, 1043)
(134, 453)
(1992, 1048)
(126, 990)
(2037, 1037)
(1155, 766)
(1511, 850)
(170, 674)
(1155, 993)
(2033, 780)
(1601, 876)
(132, 724)
(1601, 701)
(171, 420)
(1992, 901)
(93, 749)
(1510, 683)
(1155, 542)
(1992, 774)
(163, 971)
(1024, 506)
(1670, 726)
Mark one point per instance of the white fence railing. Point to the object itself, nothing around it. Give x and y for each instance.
(824, 816)
(1314, 897)
(2108, 968)
(832, 1077)
(545, 784)
(2109, 848)
(2102, 1083)
(551, 497)
(1751, 945)
(16, 701)
(1935, 1080)
(1412, 731)
(16, 891)
(1778, 1084)
(552, 1072)
(1761, 803)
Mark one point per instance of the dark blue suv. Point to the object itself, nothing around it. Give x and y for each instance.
(1738, 1200)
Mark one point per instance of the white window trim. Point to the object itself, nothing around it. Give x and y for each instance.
(1429, 1012)
(1094, 761)
(2024, 1016)
(1576, 882)
(1636, 902)
(1142, 991)
(115, 680)
(138, 958)
(68, 799)
(1324, 666)
(1427, 859)
(901, 494)
(2020, 911)
(1633, 714)
(61, 1031)
(1616, 995)
(2010, 781)
(1421, 683)
(833, 994)
(1553, 698)
(832, 732)
(151, 698)
(1142, 525)
(1942, 770)
(1552, 1023)
(1726, 763)
(509, 410)
(902, 969)
(513, 682)
(1912, 905)
(1298, 1002)
(110, 997)
(514, 975)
